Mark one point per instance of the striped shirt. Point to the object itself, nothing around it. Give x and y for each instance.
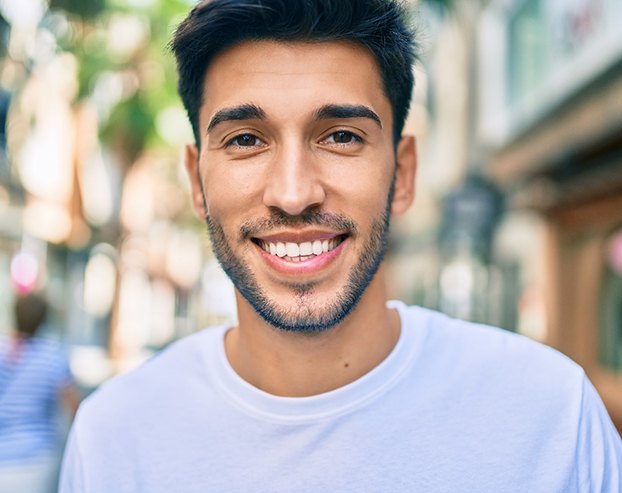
(31, 379)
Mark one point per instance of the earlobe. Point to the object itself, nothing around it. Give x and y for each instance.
(406, 170)
(191, 161)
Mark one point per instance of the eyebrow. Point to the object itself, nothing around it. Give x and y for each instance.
(242, 112)
(327, 112)
(339, 111)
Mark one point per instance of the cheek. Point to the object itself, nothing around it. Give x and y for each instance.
(363, 190)
(230, 194)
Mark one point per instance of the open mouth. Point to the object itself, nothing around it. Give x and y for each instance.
(299, 252)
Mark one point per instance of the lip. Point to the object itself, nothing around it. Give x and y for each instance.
(309, 266)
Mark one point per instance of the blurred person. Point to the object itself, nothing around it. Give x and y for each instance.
(34, 379)
(298, 163)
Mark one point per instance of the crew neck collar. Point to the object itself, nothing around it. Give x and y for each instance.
(263, 405)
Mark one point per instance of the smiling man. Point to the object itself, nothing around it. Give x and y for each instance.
(298, 164)
(297, 172)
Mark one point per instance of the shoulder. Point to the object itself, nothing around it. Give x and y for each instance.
(166, 377)
(48, 345)
(498, 382)
(48, 353)
(488, 355)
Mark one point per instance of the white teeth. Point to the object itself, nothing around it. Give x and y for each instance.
(306, 248)
(296, 252)
(280, 249)
(292, 250)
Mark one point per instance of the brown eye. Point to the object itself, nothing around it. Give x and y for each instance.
(343, 137)
(245, 140)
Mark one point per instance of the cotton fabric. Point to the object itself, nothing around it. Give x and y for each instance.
(454, 407)
(30, 387)
(31, 381)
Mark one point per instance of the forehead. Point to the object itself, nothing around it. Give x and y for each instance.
(283, 77)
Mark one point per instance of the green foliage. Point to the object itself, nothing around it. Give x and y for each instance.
(128, 125)
(447, 4)
(84, 9)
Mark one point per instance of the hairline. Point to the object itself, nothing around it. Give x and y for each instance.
(383, 27)
(293, 41)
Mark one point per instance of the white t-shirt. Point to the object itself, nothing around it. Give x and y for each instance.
(455, 407)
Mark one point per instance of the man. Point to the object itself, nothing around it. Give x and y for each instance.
(297, 109)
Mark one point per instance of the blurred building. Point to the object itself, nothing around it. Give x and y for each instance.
(551, 120)
(518, 220)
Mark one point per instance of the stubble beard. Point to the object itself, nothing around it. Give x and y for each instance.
(306, 317)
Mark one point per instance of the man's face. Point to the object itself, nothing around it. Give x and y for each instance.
(296, 173)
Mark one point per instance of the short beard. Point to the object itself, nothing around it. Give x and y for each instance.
(304, 318)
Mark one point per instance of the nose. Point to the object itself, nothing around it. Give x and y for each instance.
(293, 182)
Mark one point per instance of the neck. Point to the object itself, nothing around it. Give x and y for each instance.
(297, 365)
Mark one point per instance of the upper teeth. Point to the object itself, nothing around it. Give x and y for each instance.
(294, 250)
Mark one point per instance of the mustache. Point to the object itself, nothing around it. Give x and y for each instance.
(279, 219)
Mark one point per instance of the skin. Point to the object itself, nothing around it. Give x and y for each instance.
(287, 161)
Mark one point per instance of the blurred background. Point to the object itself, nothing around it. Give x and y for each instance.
(518, 218)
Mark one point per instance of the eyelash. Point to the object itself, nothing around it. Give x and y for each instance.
(232, 142)
(356, 139)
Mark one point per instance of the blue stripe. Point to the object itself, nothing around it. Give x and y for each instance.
(29, 389)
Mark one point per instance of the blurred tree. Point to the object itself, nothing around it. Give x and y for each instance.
(5, 28)
(85, 10)
(443, 4)
(125, 67)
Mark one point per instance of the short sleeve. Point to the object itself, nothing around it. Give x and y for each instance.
(599, 450)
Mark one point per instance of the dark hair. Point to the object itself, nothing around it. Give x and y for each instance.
(30, 312)
(378, 25)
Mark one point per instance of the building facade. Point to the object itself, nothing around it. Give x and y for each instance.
(552, 120)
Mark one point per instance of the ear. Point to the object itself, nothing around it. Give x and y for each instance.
(406, 170)
(191, 161)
